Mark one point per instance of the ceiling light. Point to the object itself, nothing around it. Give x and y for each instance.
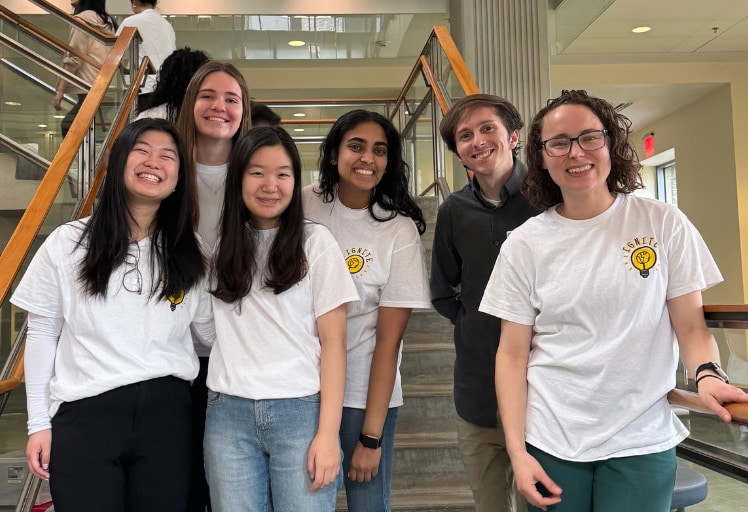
(298, 129)
(58, 116)
(299, 114)
(13, 103)
(641, 30)
(42, 125)
(296, 43)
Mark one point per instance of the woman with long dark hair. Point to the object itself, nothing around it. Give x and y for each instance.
(112, 300)
(93, 13)
(277, 370)
(363, 198)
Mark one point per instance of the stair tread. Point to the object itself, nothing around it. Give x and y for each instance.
(438, 497)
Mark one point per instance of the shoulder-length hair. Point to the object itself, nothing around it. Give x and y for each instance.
(541, 191)
(186, 119)
(391, 194)
(177, 262)
(235, 264)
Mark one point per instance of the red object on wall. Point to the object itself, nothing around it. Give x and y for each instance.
(649, 145)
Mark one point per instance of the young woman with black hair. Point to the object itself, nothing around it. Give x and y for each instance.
(277, 370)
(363, 198)
(112, 301)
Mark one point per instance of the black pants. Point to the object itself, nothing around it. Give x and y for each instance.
(125, 450)
(67, 121)
(199, 495)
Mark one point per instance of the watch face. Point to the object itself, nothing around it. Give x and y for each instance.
(369, 441)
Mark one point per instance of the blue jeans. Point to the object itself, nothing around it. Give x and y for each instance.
(374, 495)
(256, 455)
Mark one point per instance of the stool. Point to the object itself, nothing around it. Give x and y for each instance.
(690, 488)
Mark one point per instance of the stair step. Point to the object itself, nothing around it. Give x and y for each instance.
(433, 496)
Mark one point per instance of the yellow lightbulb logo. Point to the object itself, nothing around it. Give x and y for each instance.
(355, 263)
(643, 259)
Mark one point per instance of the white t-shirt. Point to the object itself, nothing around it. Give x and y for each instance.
(157, 112)
(604, 353)
(211, 186)
(157, 41)
(388, 266)
(111, 342)
(270, 349)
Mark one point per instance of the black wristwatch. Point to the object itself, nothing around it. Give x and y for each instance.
(716, 368)
(370, 441)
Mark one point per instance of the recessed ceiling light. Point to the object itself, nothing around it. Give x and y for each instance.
(296, 43)
(299, 114)
(58, 116)
(42, 125)
(641, 30)
(298, 129)
(13, 103)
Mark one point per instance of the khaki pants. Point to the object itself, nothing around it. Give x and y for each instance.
(488, 469)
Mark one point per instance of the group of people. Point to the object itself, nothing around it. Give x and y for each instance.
(270, 342)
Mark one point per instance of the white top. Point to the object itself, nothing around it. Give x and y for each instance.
(211, 185)
(104, 343)
(604, 353)
(157, 112)
(388, 266)
(157, 41)
(269, 347)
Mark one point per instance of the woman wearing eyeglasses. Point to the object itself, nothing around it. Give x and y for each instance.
(109, 358)
(592, 294)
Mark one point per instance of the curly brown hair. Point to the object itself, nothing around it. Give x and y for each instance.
(541, 191)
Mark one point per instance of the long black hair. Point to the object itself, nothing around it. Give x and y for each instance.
(391, 193)
(177, 261)
(234, 263)
(97, 6)
(173, 76)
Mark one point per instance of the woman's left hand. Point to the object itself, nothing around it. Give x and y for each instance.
(714, 393)
(323, 462)
(364, 463)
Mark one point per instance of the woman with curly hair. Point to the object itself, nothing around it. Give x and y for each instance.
(362, 197)
(173, 77)
(597, 296)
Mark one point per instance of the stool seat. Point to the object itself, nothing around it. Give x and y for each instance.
(690, 488)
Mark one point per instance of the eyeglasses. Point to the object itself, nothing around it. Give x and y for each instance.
(588, 141)
(133, 279)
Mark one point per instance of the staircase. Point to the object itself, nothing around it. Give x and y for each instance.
(428, 475)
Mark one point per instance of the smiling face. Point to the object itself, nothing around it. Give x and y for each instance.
(484, 145)
(218, 107)
(580, 173)
(361, 160)
(152, 168)
(267, 185)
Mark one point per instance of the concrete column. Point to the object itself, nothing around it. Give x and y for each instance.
(505, 46)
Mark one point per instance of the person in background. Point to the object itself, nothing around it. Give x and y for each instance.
(363, 198)
(93, 13)
(214, 115)
(598, 296)
(277, 371)
(157, 41)
(262, 115)
(112, 301)
(171, 85)
(472, 224)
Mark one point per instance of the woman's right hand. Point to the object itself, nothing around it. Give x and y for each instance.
(57, 101)
(527, 473)
(37, 452)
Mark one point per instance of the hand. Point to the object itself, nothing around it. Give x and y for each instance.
(364, 463)
(323, 462)
(714, 392)
(57, 101)
(37, 452)
(528, 473)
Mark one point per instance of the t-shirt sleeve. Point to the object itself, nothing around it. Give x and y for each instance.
(508, 291)
(331, 281)
(408, 284)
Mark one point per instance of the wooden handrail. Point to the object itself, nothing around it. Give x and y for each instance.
(440, 99)
(692, 402)
(456, 62)
(16, 374)
(107, 39)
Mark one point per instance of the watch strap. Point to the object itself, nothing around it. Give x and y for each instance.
(368, 441)
(715, 367)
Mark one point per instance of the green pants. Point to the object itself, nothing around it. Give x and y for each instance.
(623, 484)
